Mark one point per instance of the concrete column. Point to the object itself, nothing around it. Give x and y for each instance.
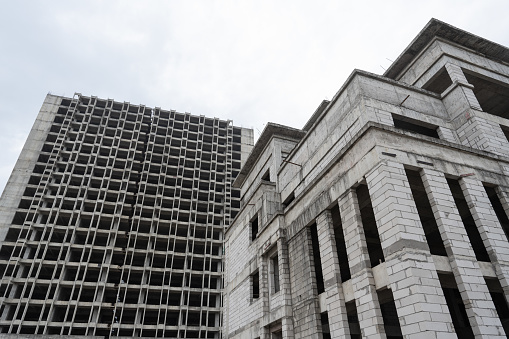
(336, 309)
(492, 233)
(472, 128)
(285, 286)
(306, 308)
(366, 299)
(264, 285)
(418, 296)
(480, 309)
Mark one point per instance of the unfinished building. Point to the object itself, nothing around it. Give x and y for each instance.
(386, 215)
(112, 222)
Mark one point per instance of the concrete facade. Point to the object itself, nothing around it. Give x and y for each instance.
(386, 216)
(112, 222)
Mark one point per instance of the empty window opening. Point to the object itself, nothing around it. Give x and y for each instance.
(505, 130)
(289, 200)
(468, 220)
(353, 320)
(339, 238)
(376, 255)
(439, 82)
(498, 297)
(389, 314)
(492, 96)
(316, 259)
(499, 209)
(255, 285)
(456, 307)
(428, 221)
(274, 261)
(266, 175)
(324, 319)
(254, 227)
(415, 126)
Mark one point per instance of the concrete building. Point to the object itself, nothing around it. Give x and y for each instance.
(112, 222)
(386, 215)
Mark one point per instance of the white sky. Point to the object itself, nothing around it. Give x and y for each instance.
(249, 61)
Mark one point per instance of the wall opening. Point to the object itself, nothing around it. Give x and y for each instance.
(353, 320)
(289, 200)
(266, 175)
(456, 306)
(339, 238)
(428, 221)
(439, 82)
(499, 209)
(468, 221)
(498, 297)
(324, 319)
(255, 285)
(316, 259)
(415, 126)
(376, 255)
(505, 130)
(274, 262)
(389, 314)
(492, 96)
(254, 227)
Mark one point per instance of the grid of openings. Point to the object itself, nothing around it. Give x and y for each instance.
(119, 231)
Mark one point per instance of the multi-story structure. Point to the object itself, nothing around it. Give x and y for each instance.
(112, 222)
(386, 216)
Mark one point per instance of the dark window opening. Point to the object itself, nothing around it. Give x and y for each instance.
(499, 209)
(266, 175)
(492, 96)
(498, 297)
(275, 273)
(428, 221)
(505, 130)
(316, 260)
(456, 307)
(254, 227)
(353, 320)
(415, 126)
(376, 255)
(389, 314)
(468, 220)
(255, 285)
(339, 238)
(324, 319)
(289, 200)
(439, 82)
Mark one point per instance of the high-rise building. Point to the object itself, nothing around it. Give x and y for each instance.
(112, 222)
(386, 215)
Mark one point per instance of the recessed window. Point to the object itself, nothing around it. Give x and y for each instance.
(275, 273)
(266, 175)
(289, 200)
(415, 126)
(255, 285)
(254, 228)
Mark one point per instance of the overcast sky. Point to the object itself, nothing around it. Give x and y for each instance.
(248, 61)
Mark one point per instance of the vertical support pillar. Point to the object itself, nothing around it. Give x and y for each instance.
(286, 291)
(418, 296)
(366, 299)
(306, 309)
(480, 309)
(473, 129)
(336, 309)
(489, 227)
(264, 293)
